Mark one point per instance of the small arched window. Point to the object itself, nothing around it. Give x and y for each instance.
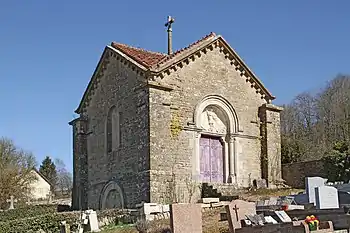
(113, 136)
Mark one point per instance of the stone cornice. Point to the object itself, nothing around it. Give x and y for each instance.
(108, 53)
(272, 107)
(158, 72)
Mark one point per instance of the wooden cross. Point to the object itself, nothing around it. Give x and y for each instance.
(235, 209)
(12, 200)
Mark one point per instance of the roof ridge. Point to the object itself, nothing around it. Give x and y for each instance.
(169, 57)
(137, 48)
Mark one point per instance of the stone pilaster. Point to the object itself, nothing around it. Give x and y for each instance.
(270, 129)
(80, 164)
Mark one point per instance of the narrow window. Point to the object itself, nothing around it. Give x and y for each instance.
(109, 130)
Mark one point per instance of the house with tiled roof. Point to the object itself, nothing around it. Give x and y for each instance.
(154, 126)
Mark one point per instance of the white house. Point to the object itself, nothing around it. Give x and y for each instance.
(40, 187)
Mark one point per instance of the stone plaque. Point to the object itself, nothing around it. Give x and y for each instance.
(311, 183)
(283, 216)
(186, 218)
(326, 197)
(237, 211)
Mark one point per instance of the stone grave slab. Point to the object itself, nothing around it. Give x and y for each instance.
(270, 219)
(185, 218)
(209, 200)
(283, 216)
(237, 211)
(93, 222)
(311, 183)
(326, 197)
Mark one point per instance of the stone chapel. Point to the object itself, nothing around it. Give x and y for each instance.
(151, 125)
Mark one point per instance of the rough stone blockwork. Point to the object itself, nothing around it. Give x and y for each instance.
(157, 126)
(294, 173)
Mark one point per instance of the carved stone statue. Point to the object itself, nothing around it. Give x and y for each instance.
(211, 121)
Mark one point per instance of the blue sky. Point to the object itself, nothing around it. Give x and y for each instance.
(49, 50)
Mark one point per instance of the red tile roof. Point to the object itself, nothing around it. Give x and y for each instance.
(149, 58)
(144, 57)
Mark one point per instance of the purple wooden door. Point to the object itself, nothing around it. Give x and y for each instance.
(211, 160)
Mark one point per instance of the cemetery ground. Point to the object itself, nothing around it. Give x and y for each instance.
(46, 216)
(211, 217)
(211, 224)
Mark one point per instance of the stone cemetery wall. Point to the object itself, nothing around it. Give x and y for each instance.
(294, 173)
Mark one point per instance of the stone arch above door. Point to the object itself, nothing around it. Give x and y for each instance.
(214, 106)
(112, 196)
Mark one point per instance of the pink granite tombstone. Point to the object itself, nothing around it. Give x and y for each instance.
(186, 218)
(237, 211)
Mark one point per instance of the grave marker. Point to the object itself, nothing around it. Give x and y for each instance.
(283, 216)
(237, 211)
(12, 200)
(186, 218)
(93, 222)
(327, 198)
(311, 183)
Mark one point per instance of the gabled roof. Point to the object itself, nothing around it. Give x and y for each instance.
(150, 59)
(144, 57)
(42, 176)
(157, 63)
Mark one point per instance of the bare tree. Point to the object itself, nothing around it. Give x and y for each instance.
(64, 178)
(311, 124)
(16, 173)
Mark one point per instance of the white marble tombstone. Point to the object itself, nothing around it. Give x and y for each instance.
(326, 197)
(311, 183)
(93, 222)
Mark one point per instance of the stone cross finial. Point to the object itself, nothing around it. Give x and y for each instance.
(170, 32)
(12, 200)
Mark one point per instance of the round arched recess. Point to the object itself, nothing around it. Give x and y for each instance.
(222, 104)
(112, 196)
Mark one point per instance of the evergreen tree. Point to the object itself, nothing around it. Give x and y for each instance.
(48, 169)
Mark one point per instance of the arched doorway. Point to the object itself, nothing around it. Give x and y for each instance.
(215, 157)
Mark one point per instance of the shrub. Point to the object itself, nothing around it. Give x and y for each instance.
(26, 212)
(51, 222)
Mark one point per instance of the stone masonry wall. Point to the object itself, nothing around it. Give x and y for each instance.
(79, 192)
(294, 173)
(209, 74)
(271, 143)
(128, 165)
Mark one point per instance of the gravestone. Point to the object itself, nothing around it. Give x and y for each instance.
(261, 184)
(311, 183)
(283, 216)
(270, 219)
(237, 211)
(92, 221)
(185, 218)
(326, 197)
(12, 200)
(64, 227)
(273, 201)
